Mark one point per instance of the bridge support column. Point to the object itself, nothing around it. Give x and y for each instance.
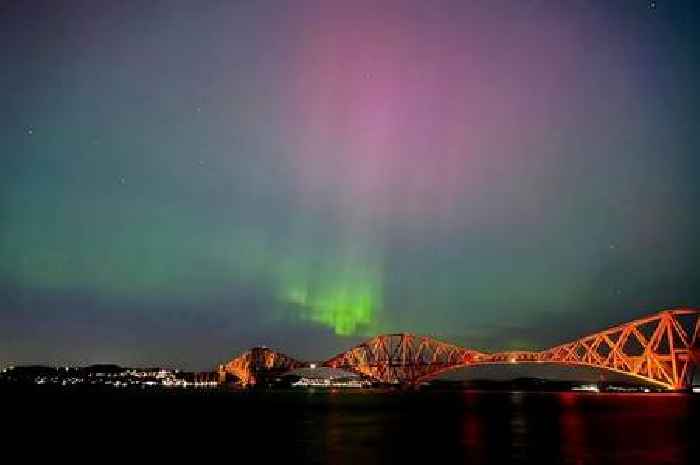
(695, 363)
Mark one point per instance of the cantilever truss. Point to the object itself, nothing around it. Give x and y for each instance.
(402, 358)
(663, 349)
(250, 365)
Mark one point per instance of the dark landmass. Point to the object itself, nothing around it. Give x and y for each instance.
(102, 375)
(114, 376)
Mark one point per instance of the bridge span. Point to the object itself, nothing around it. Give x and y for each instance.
(662, 349)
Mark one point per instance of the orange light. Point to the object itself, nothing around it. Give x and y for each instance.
(665, 357)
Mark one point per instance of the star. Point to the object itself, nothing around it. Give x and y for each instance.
(30, 131)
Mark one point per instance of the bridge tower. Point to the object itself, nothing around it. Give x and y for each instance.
(257, 364)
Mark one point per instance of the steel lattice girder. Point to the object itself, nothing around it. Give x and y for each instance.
(258, 360)
(663, 348)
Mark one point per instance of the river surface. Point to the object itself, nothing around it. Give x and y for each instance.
(362, 427)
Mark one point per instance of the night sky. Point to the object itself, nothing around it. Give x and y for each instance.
(182, 180)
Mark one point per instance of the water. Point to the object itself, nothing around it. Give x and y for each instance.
(362, 427)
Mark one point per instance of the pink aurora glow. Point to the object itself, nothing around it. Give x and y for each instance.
(395, 118)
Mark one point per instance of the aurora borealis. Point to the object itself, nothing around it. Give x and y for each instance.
(182, 180)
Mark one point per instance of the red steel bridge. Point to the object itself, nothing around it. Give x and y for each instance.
(662, 349)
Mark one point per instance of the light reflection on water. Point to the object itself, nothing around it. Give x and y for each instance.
(368, 427)
(488, 427)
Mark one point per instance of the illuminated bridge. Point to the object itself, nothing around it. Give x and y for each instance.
(663, 349)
